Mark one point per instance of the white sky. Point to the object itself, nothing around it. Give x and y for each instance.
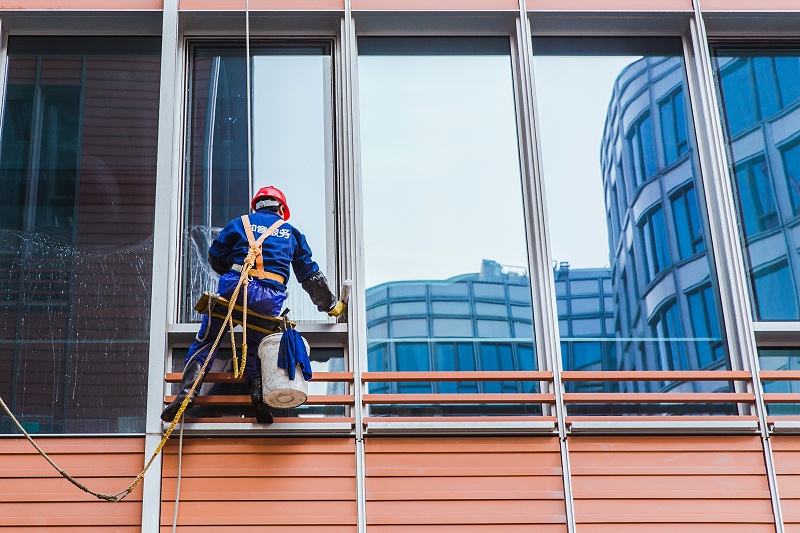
(440, 166)
(572, 94)
(439, 154)
(289, 138)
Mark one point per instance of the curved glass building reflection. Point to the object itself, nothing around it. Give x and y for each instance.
(662, 273)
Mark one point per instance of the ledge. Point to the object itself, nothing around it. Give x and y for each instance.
(281, 426)
(662, 425)
(454, 426)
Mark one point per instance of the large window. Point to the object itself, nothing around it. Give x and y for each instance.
(760, 97)
(444, 232)
(292, 149)
(632, 114)
(78, 166)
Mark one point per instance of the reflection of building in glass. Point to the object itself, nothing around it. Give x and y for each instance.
(585, 304)
(760, 94)
(664, 288)
(470, 322)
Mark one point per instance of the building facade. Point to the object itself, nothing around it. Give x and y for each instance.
(635, 162)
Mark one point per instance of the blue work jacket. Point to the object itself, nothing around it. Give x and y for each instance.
(284, 247)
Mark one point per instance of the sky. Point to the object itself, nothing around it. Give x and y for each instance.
(572, 94)
(440, 165)
(439, 155)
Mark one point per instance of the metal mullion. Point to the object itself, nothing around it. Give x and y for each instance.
(539, 258)
(165, 242)
(731, 265)
(352, 244)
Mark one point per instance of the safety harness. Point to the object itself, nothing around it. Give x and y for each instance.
(255, 246)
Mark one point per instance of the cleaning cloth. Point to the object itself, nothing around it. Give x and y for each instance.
(292, 352)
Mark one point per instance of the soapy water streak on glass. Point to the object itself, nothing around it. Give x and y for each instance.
(77, 332)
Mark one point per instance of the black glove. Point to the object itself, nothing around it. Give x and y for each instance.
(317, 288)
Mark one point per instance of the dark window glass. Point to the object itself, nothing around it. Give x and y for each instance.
(766, 83)
(738, 93)
(791, 165)
(641, 148)
(673, 127)
(775, 293)
(788, 69)
(687, 223)
(667, 327)
(412, 358)
(708, 343)
(77, 170)
(780, 359)
(756, 198)
(654, 243)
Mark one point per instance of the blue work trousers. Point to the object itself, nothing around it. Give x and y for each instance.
(260, 299)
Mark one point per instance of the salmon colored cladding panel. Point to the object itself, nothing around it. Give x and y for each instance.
(609, 5)
(668, 484)
(34, 497)
(464, 485)
(244, 485)
(435, 5)
(786, 451)
(84, 5)
(262, 5)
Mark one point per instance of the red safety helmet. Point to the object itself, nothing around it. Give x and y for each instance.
(271, 192)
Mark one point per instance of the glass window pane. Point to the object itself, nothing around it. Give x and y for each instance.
(765, 169)
(78, 173)
(292, 149)
(437, 117)
(616, 97)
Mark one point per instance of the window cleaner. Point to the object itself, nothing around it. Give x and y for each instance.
(277, 246)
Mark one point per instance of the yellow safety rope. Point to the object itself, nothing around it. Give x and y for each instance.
(121, 495)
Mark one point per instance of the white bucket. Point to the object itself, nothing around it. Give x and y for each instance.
(280, 391)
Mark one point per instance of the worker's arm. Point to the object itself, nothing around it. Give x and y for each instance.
(312, 279)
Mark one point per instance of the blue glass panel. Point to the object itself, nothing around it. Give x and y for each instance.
(767, 86)
(791, 165)
(775, 293)
(648, 147)
(788, 69)
(738, 97)
(412, 358)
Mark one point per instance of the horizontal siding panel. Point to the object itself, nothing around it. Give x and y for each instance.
(102, 5)
(481, 483)
(262, 483)
(465, 528)
(264, 488)
(96, 513)
(266, 528)
(441, 488)
(34, 496)
(285, 514)
(466, 512)
(697, 484)
(786, 453)
(669, 526)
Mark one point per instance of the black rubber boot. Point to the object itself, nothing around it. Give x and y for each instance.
(263, 414)
(189, 375)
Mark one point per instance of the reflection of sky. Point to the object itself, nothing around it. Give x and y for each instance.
(572, 95)
(440, 166)
(289, 137)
